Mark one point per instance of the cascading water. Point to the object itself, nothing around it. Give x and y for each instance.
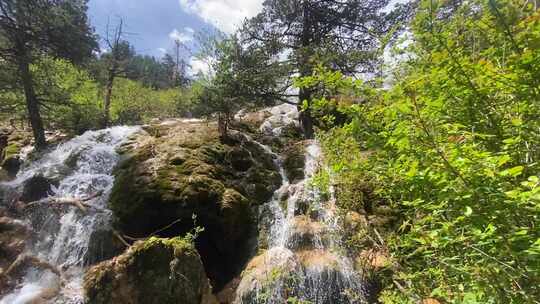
(80, 171)
(303, 263)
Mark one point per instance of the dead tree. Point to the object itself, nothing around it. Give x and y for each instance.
(116, 60)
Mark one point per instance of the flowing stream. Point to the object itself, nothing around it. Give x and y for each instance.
(304, 262)
(59, 246)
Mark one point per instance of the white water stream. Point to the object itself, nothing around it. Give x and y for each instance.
(304, 262)
(81, 168)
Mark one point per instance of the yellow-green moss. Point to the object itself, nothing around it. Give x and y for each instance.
(9, 153)
(153, 271)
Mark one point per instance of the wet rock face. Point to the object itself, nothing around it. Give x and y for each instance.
(276, 127)
(36, 188)
(13, 236)
(152, 271)
(179, 169)
(294, 161)
(273, 277)
(102, 245)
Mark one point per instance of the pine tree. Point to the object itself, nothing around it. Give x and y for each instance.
(33, 28)
(345, 35)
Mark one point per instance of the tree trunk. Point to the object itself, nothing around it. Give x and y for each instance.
(32, 104)
(306, 121)
(107, 102)
(223, 125)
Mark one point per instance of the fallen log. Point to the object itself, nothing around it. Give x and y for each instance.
(80, 203)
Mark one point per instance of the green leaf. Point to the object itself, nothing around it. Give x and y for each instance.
(513, 172)
(517, 122)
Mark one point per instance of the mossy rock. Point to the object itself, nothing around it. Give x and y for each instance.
(187, 170)
(153, 271)
(10, 158)
(12, 150)
(11, 143)
(294, 160)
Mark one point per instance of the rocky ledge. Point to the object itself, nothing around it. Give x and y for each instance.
(152, 271)
(181, 172)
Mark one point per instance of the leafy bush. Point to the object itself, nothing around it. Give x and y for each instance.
(69, 95)
(72, 101)
(454, 147)
(133, 103)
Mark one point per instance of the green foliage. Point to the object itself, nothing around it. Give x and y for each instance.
(218, 92)
(134, 103)
(73, 100)
(343, 34)
(233, 82)
(192, 235)
(57, 28)
(156, 74)
(70, 94)
(30, 30)
(295, 300)
(453, 147)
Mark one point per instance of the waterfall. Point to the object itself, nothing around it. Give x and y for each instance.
(304, 262)
(79, 169)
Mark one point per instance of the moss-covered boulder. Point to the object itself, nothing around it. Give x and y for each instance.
(179, 169)
(156, 271)
(11, 143)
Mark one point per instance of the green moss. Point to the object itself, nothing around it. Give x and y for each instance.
(186, 171)
(283, 203)
(264, 183)
(292, 132)
(153, 271)
(12, 149)
(200, 189)
(177, 243)
(232, 197)
(9, 154)
(200, 177)
(213, 153)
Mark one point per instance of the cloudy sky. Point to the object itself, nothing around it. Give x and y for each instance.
(154, 24)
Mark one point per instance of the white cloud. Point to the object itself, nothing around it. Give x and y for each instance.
(162, 50)
(181, 36)
(200, 66)
(189, 30)
(226, 15)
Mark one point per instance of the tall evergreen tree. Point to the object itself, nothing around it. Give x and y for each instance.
(345, 34)
(32, 28)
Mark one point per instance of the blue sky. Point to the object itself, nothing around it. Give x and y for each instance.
(153, 23)
(149, 22)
